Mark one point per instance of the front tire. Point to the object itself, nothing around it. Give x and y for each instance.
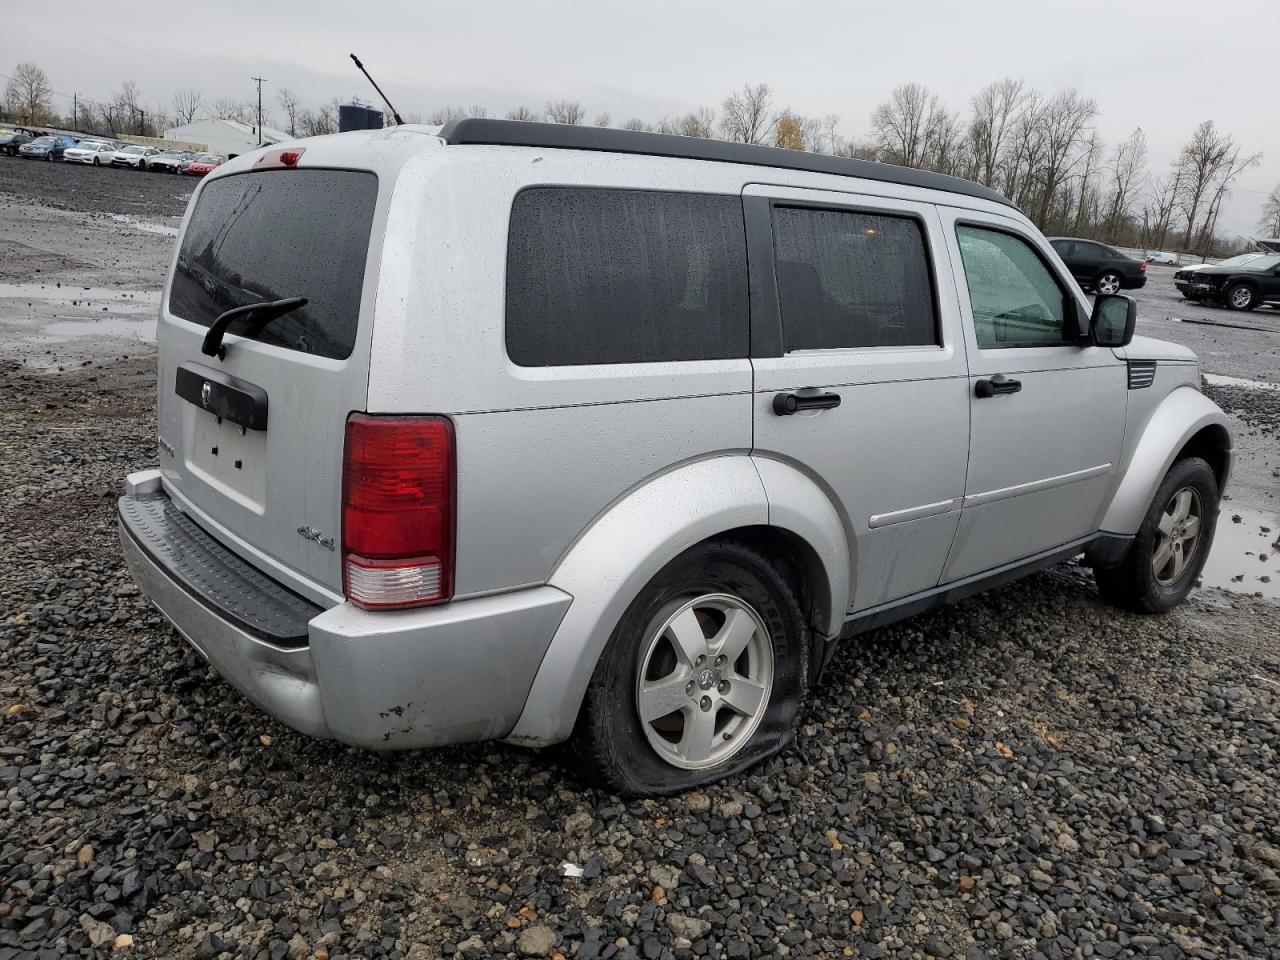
(703, 677)
(1241, 297)
(97, 162)
(1108, 283)
(1172, 544)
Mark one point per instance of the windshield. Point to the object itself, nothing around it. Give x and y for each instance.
(1241, 260)
(208, 158)
(42, 142)
(277, 234)
(1264, 263)
(132, 150)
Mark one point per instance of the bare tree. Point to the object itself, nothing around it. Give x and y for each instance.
(700, 123)
(1232, 167)
(291, 104)
(569, 112)
(523, 113)
(1199, 165)
(899, 124)
(1087, 193)
(322, 121)
(1269, 220)
(746, 115)
(638, 125)
(186, 104)
(995, 109)
(29, 94)
(1065, 125)
(225, 108)
(602, 119)
(1126, 172)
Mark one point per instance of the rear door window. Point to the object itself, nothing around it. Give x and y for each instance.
(601, 276)
(851, 279)
(276, 234)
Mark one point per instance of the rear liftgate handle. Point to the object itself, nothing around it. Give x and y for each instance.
(806, 398)
(996, 386)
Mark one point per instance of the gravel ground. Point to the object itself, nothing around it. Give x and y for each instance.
(1026, 774)
(76, 187)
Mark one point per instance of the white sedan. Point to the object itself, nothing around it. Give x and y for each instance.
(96, 152)
(133, 155)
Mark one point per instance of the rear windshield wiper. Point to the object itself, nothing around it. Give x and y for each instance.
(263, 313)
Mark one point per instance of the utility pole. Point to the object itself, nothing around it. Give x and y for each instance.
(260, 81)
(75, 110)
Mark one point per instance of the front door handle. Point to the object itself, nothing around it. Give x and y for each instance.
(806, 398)
(995, 386)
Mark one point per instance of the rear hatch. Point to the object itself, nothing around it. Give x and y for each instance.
(251, 443)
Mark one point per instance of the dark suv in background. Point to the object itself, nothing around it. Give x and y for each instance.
(1098, 267)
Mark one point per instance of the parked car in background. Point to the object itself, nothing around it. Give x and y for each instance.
(12, 138)
(376, 516)
(96, 152)
(134, 155)
(1239, 287)
(1236, 261)
(46, 148)
(1099, 267)
(202, 164)
(1162, 257)
(170, 161)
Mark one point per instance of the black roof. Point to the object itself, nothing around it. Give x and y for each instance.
(522, 133)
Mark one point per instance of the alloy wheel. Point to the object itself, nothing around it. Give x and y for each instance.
(1108, 284)
(1241, 297)
(706, 676)
(1179, 536)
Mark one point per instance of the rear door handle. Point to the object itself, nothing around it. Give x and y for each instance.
(806, 398)
(995, 386)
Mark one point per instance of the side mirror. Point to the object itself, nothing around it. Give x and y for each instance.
(1113, 321)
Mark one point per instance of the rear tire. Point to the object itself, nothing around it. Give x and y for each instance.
(1241, 297)
(1108, 283)
(1172, 544)
(97, 162)
(728, 710)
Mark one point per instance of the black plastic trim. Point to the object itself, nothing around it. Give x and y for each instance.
(520, 133)
(917, 603)
(227, 397)
(230, 587)
(1109, 549)
(766, 317)
(1142, 373)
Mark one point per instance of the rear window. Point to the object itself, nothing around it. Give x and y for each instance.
(276, 234)
(850, 279)
(625, 276)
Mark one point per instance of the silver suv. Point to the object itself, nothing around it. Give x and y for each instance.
(505, 430)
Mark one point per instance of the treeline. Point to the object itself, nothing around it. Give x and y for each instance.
(1042, 150)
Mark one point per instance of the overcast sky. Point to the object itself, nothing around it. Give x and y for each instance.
(1163, 65)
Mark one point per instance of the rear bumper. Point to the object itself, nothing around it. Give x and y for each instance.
(388, 680)
(1136, 283)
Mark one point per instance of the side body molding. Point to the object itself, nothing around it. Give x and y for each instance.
(1180, 416)
(621, 552)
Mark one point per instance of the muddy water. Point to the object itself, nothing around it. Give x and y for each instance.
(75, 295)
(1246, 553)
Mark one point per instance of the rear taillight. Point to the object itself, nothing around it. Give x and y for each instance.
(397, 511)
(1142, 265)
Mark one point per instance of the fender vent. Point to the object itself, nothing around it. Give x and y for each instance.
(1141, 374)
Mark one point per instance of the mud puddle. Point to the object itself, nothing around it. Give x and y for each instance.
(75, 295)
(1246, 553)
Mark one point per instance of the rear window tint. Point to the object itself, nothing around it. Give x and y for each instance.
(848, 279)
(276, 234)
(625, 276)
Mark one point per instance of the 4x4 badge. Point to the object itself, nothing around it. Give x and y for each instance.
(311, 533)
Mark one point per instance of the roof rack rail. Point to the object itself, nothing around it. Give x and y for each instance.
(523, 133)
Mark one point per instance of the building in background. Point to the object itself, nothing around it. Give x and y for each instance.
(225, 137)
